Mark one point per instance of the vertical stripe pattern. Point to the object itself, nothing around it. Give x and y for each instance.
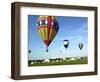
(47, 27)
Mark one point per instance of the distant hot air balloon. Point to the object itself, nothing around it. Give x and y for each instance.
(80, 46)
(66, 43)
(29, 51)
(47, 27)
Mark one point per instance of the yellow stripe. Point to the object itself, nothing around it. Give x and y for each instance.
(53, 17)
(39, 31)
(53, 34)
(50, 33)
(46, 17)
(43, 34)
(40, 17)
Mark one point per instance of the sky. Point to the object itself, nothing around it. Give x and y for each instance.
(73, 29)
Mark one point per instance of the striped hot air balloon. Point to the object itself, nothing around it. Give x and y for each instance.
(47, 27)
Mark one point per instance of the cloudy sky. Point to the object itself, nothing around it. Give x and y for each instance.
(73, 29)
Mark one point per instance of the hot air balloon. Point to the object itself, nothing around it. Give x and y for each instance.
(80, 46)
(47, 27)
(66, 43)
(29, 51)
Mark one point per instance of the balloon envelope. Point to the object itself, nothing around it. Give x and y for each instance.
(66, 43)
(29, 51)
(80, 46)
(47, 27)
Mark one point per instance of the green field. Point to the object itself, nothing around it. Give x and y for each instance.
(84, 60)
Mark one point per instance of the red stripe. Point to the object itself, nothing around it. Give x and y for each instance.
(47, 42)
(49, 25)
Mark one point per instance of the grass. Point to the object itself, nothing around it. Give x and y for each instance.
(64, 62)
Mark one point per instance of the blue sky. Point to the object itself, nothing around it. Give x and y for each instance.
(73, 29)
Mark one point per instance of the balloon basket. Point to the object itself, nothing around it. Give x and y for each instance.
(46, 50)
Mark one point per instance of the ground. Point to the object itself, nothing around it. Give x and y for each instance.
(83, 60)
